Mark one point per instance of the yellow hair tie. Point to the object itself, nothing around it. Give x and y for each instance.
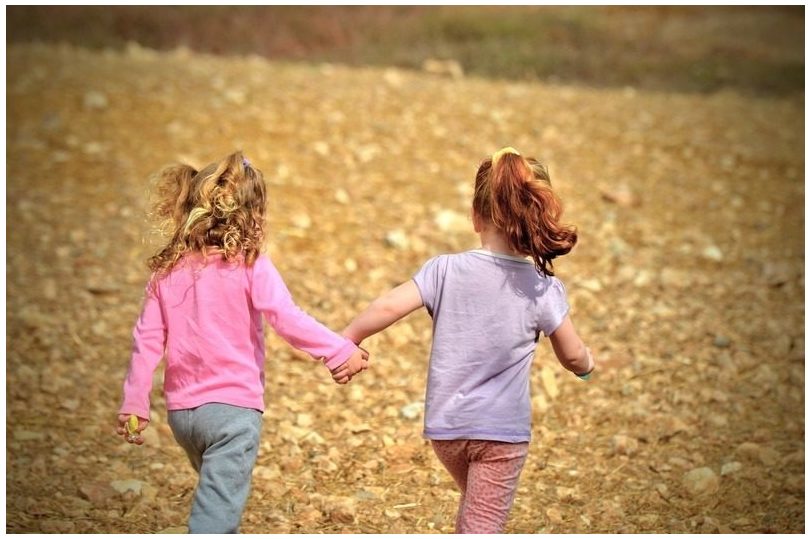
(503, 151)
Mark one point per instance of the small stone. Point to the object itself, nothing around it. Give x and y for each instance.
(392, 513)
(397, 239)
(594, 285)
(642, 279)
(267, 472)
(126, 485)
(341, 509)
(93, 148)
(94, 100)
(96, 493)
(624, 445)
(393, 77)
(701, 481)
(350, 264)
(567, 494)
(754, 451)
(662, 490)
(730, 468)
(445, 68)
(99, 328)
(554, 515)
(342, 197)
(49, 289)
(777, 273)
(712, 252)
(304, 420)
(539, 401)
(721, 341)
(302, 221)
(236, 96)
(321, 148)
(412, 410)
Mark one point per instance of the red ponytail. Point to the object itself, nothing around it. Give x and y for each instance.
(516, 196)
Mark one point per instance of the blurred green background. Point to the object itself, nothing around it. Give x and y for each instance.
(754, 49)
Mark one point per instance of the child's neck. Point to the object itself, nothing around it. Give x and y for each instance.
(492, 240)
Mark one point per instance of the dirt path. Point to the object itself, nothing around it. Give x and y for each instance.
(688, 281)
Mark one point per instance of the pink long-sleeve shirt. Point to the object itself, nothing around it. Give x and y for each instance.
(207, 318)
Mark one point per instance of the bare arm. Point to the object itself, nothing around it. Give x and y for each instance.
(570, 350)
(384, 311)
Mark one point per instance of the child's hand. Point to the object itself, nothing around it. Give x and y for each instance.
(131, 435)
(356, 363)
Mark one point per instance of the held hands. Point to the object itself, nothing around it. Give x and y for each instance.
(131, 428)
(356, 363)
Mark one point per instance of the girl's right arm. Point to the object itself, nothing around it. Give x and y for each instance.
(570, 350)
(270, 295)
(384, 311)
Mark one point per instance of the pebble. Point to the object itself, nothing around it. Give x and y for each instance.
(350, 264)
(49, 289)
(623, 445)
(302, 221)
(701, 481)
(412, 410)
(712, 252)
(96, 493)
(94, 100)
(721, 341)
(554, 515)
(321, 148)
(593, 285)
(777, 273)
(754, 451)
(397, 239)
(126, 485)
(730, 468)
(444, 68)
(342, 197)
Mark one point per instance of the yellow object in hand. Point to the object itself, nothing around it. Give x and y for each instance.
(132, 424)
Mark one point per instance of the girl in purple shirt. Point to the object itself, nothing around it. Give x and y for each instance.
(489, 307)
(203, 310)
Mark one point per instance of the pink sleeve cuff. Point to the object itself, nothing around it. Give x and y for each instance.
(342, 355)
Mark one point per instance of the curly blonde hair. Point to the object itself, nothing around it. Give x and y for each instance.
(220, 208)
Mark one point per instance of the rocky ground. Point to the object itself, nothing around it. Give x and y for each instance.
(688, 282)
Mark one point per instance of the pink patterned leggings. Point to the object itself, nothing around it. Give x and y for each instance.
(487, 473)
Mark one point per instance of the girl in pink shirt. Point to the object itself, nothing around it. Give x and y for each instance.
(209, 290)
(489, 308)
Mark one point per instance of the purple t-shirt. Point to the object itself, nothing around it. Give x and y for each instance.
(488, 312)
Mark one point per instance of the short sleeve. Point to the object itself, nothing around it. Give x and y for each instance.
(553, 307)
(427, 280)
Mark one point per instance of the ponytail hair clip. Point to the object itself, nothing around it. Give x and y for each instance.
(245, 162)
(503, 151)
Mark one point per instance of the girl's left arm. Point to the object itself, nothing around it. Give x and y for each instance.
(384, 311)
(148, 345)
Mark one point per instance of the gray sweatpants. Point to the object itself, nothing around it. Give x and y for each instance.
(221, 442)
